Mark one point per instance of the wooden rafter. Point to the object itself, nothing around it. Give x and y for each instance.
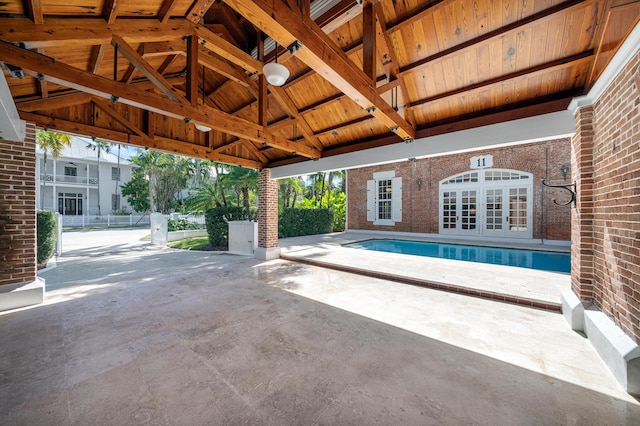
(106, 107)
(192, 70)
(76, 32)
(233, 54)
(285, 101)
(74, 78)
(52, 103)
(34, 10)
(110, 10)
(198, 9)
(166, 10)
(322, 55)
(97, 54)
(147, 70)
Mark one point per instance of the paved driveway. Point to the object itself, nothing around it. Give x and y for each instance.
(132, 334)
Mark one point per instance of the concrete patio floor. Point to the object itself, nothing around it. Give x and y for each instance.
(132, 334)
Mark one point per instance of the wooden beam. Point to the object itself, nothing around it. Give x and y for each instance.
(166, 10)
(130, 72)
(54, 102)
(369, 58)
(198, 9)
(158, 143)
(289, 106)
(255, 151)
(322, 55)
(217, 64)
(34, 11)
(147, 70)
(192, 70)
(262, 86)
(110, 10)
(107, 107)
(536, 18)
(78, 32)
(166, 63)
(43, 89)
(97, 54)
(548, 67)
(230, 52)
(75, 78)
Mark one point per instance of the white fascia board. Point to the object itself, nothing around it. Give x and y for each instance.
(554, 125)
(11, 126)
(625, 53)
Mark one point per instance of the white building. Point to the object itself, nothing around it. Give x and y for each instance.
(77, 184)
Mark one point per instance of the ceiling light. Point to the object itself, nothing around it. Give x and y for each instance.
(203, 128)
(276, 74)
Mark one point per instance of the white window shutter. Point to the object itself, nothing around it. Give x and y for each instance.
(371, 200)
(396, 199)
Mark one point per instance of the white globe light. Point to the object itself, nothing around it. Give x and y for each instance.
(276, 74)
(203, 128)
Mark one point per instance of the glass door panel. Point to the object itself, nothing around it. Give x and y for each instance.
(494, 213)
(518, 207)
(449, 210)
(468, 210)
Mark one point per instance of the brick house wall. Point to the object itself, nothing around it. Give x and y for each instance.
(611, 202)
(420, 204)
(18, 210)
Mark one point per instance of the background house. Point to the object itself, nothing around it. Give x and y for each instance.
(80, 184)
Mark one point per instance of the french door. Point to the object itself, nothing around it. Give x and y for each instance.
(492, 202)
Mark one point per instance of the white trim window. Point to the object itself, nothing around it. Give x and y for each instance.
(384, 199)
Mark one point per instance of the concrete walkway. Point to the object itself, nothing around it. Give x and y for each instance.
(132, 334)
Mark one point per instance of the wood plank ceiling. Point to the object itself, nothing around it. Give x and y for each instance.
(362, 75)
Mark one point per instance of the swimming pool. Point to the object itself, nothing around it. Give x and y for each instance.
(532, 259)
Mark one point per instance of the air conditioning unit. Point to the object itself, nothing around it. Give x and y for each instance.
(11, 126)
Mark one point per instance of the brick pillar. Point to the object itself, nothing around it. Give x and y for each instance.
(267, 216)
(19, 284)
(582, 217)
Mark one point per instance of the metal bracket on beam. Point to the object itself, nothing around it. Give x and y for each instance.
(293, 47)
(14, 71)
(265, 144)
(572, 192)
(186, 120)
(394, 128)
(371, 109)
(114, 99)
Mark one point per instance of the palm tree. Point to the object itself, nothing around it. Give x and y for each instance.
(54, 143)
(242, 180)
(99, 145)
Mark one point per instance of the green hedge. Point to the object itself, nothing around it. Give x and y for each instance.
(216, 219)
(181, 225)
(295, 222)
(46, 238)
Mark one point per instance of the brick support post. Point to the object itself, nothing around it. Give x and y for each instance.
(582, 219)
(267, 216)
(19, 282)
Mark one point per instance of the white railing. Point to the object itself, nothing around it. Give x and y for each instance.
(191, 217)
(105, 220)
(80, 180)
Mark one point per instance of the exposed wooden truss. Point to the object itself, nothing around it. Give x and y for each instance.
(362, 75)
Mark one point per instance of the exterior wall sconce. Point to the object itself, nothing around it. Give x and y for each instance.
(419, 182)
(564, 169)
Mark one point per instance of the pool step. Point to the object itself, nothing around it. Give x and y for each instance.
(452, 288)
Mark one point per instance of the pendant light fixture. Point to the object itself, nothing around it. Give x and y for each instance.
(276, 74)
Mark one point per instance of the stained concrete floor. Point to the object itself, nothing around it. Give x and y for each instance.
(132, 334)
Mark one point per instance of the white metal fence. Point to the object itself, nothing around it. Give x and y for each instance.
(124, 220)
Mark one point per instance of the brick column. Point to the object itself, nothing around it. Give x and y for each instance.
(19, 285)
(267, 216)
(582, 217)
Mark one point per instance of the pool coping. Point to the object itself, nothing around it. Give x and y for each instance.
(329, 247)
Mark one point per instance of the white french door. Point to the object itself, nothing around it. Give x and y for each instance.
(490, 202)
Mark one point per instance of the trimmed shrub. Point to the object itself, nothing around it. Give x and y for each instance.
(216, 219)
(46, 235)
(295, 222)
(181, 225)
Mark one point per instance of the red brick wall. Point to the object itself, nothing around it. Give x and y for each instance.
(267, 210)
(18, 210)
(616, 201)
(420, 206)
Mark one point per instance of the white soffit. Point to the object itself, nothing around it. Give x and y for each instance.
(554, 125)
(11, 127)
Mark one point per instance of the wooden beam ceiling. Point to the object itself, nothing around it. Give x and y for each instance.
(323, 56)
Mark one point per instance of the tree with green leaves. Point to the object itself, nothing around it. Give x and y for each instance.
(99, 146)
(242, 181)
(54, 143)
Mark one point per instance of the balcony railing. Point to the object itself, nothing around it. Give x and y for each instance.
(76, 180)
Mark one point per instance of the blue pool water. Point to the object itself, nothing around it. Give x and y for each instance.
(533, 259)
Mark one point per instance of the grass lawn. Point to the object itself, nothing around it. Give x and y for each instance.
(190, 243)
